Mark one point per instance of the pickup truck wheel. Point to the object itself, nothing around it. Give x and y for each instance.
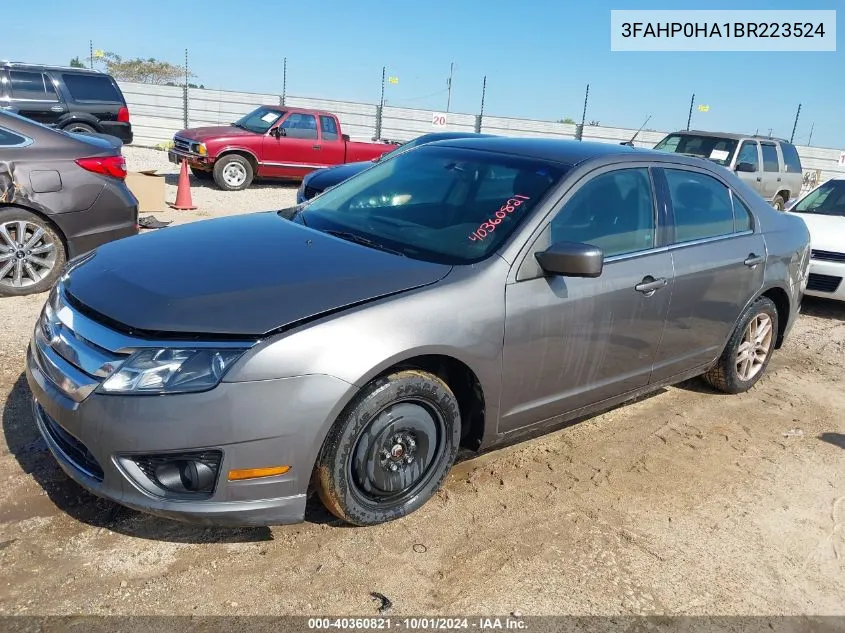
(233, 173)
(32, 254)
(748, 351)
(390, 450)
(202, 174)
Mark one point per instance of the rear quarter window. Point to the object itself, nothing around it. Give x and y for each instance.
(791, 158)
(99, 88)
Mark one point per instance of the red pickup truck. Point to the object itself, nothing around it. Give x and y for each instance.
(269, 142)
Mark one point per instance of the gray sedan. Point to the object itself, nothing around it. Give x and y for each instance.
(459, 294)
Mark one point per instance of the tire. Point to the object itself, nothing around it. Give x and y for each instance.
(390, 450)
(779, 203)
(202, 174)
(233, 173)
(43, 253)
(79, 128)
(725, 375)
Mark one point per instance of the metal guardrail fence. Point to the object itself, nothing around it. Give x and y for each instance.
(158, 112)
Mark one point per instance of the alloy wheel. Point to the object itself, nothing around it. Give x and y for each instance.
(755, 347)
(27, 254)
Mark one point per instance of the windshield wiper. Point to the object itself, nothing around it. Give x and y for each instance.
(241, 125)
(363, 241)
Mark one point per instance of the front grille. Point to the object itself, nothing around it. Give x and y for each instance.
(828, 256)
(823, 283)
(181, 144)
(74, 451)
(310, 192)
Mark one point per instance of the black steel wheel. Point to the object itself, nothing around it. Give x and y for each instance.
(390, 451)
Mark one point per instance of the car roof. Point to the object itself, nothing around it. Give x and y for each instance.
(27, 66)
(729, 135)
(564, 151)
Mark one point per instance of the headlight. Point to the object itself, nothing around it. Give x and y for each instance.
(202, 150)
(160, 371)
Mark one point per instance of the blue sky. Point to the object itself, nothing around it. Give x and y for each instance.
(538, 56)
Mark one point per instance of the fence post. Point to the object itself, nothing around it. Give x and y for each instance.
(478, 124)
(579, 131)
(185, 93)
(378, 123)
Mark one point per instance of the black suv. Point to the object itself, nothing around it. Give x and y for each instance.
(71, 99)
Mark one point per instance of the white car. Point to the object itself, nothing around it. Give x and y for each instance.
(823, 211)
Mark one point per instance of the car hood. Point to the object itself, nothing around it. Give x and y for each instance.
(213, 132)
(827, 232)
(327, 177)
(243, 275)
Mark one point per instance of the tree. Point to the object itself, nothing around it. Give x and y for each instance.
(567, 120)
(594, 123)
(145, 71)
(75, 63)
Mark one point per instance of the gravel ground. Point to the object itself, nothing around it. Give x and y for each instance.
(209, 200)
(686, 502)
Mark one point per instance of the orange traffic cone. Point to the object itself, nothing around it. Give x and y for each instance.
(183, 192)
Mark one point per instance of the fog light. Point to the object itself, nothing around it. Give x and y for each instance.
(182, 474)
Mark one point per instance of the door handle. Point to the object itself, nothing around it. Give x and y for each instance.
(778, 178)
(57, 108)
(649, 285)
(752, 260)
(316, 146)
(759, 179)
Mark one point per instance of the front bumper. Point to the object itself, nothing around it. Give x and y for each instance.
(254, 424)
(197, 161)
(827, 280)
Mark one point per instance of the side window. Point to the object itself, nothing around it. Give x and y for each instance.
(10, 139)
(87, 87)
(770, 157)
(702, 205)
(748, 154)
(299, 125)
(614, 211)
(32, 85)
(329, 128)
(742, 216)
(791, 158)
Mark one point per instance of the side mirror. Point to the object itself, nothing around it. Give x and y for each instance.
(345, 137)
(571, 259)
(745, 167)
(278, 132)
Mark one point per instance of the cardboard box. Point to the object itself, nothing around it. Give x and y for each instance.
(148, 187)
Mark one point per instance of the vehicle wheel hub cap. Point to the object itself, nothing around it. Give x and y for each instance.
(234, 174)
(27, 254)
(754, 348)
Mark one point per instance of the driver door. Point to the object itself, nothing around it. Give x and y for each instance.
(295, 152)
(571, 342)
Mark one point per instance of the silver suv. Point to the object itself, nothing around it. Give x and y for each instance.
(770, 166)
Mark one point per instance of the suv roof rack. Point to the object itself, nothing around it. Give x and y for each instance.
(7, 63)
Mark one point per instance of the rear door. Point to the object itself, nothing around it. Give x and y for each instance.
(333, 147)
(718, 256)
(33, 95)
(296, 152)
(771, 169)
(749, 153)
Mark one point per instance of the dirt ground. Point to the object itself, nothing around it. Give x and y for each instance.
(686, 502)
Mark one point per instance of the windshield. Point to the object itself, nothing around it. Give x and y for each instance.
(259, 120)
(719, 150)
(829, 199)
(440, 204)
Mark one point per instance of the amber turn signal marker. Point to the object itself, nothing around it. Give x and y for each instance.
(253, 473)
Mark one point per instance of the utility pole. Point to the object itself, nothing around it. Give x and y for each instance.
(284, 79)
(795, 125)
(691, 103)
(449, 86)
(810, 142)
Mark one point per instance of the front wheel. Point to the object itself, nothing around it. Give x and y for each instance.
(233, 172)
(748, 351)
(390, 451)
(32, 254)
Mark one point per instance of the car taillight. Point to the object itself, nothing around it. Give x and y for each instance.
(114, 166)
(123, 115)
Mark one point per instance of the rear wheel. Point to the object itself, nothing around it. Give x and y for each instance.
(31, 253)
(79, 128)
(748, 351)
(390, 451)
(233, 172)
(779, 203)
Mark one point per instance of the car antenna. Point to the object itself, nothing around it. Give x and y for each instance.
(631, 142)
